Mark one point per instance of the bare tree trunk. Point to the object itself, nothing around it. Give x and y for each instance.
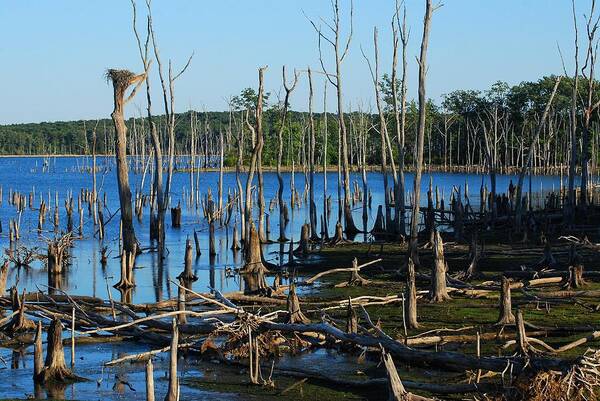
(280, 198)
(410, 297)
(257, 132)
(414, 226)
(173, 391)
(311, 160)
(438, 292)
(121, 80)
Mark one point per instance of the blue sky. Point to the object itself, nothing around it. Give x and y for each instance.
(53, 53)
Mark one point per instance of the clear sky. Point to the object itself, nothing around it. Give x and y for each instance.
(53, 53)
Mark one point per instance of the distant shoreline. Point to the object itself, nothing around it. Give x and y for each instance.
(473, 169)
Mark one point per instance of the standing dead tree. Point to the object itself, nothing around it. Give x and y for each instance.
(414, 224)
(168, 95)
(386, 145)
(399, 32)
(519, 206)
(122, 80)
(257, 132)
(340, 49)
(286, 104)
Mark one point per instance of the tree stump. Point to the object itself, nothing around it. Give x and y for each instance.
(126, 272)
(304, 246)
(55, 369)
(3, 277)
(506, 315)
(176, 216)
(197, 244)
(173, 390)
(188, 275)
(212, 251)
(378, 230)
(254, 269)
(575, 279)
(235, 243)
(410, 296)
(19, 322)
(38, 357)
(438, 292)
(295, 314)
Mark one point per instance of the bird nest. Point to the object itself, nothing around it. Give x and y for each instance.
(120, 78)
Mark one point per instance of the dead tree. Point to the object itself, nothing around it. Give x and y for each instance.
(254, 268)
(340, 49)
(519, 204)
(438, 291)
(400, 32)
(386, 145)
(295, 315)
(286, 104)
(122, 80)
(38, 357)
(173, 390)
(3, 277)
(351, 319)
(19, 322)
(257, 132)
(506, 315)
(414, 224)
(188, 275)
(312, 207)
(55, 368)
(410, 297)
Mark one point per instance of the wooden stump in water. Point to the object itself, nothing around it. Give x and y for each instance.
(254, 269)
(235, 243)
(38, 357)
(378, 230)
(176, 216)
(181, 319)
(506, 315)
(127, 264)
(173, 390)
(197, 244)
(149, 380)
(438, 292)
(188, 275)
(55, 368)
(304, 246)
(295, 314)
(212, 249)
(3, 276)
(19, 322)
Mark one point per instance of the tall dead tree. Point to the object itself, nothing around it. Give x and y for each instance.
(399, 32)
(168, 96)
(414, 224)
(386, 145)
(286, 104)
(122, 80)
(340, 49)
(157, 208)
(570, 206)
(257, 132)
(312, 207)
(589, 106)
(527, 165)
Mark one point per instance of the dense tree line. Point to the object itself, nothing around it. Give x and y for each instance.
(461, 129)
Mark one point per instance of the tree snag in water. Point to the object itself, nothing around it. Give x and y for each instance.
(254, 270)
(304, 246)
(3, 277)
(523, 346)
(235, 243)
(121, 80)
(55, 368)
(19, 322)
(38, 357)
(187, 276)
(176, 216)
(127, 261)
(295, 315)
(410, 295)
(397, 392)
(173, 391)
(438, 291)
(506, 315)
